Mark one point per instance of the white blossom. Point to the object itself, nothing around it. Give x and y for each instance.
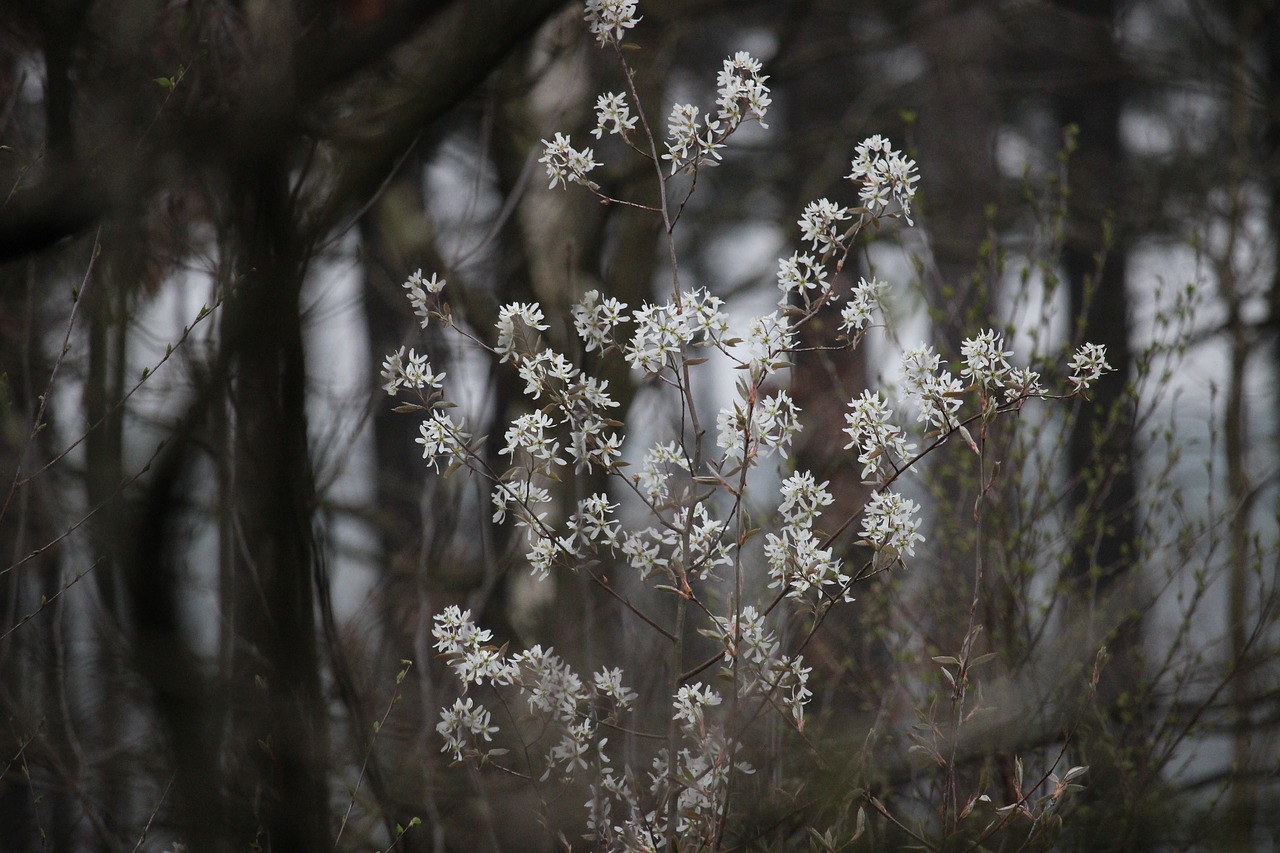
(891, 523)
(608, 683)
(690, 142)
(613, 115)
(800, 274)
(514, 340)
(691, 702)
(1022, 382)
(442, 439)
(883, 174)
(594, 319)
(802, 499)
(770, 339)
(986, 360)
(463, 719)
(656, 470)
(936, 392)
(609, 20)
(1087, 366)
(819, 224)
(393, 371)
(740, 91)
(877, 440)
(856, 313)
(566, 164)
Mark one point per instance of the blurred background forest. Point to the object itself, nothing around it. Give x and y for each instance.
(219, 544)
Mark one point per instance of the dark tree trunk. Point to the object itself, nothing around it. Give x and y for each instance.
(278, 710)
(1089, 96)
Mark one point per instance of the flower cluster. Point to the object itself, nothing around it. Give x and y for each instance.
(566, 164)
(796, 557)
(691, 545)
(594, 319)
(743, 431)
(881, 444)
(741, 95)
(856, 313)
(891, 525)
(420, 291)
(884, 174)
(937, 393)
(613, 115)
(820, 225)
(443, 440)
(986, 360)
(679, 509)
(800, 274)
(609, 20)
(740, 92)
(409, 371)
(663, 331)
(1087, 366)
(555, 694)
(762, 665)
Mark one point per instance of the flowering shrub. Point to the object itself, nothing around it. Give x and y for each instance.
(700, 546)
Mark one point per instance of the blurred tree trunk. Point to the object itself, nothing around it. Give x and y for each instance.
(958, 118)
(1088, 96)
(24, 526)
(279, 713)
(1248, 130)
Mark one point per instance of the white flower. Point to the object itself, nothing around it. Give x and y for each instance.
(662, 331)
(608, 683)
(530, 315)
(592, 523)
(1087, 366)
(547, 369)
(566, 164)
(686, 149)
(643, 551)
(986, 360)
(572, 750)
(393, 371)
(802, 499)
(610, 19)
(800, 274)
(613, 115)
(542, 556)
(655, 470)
(702, 310)
(418, 373)
(770, 425)
(529, 433)
(1022, 382)
(594, 319)
(518, 496)
(796, 559)
(695, 541)
(465, 717)
(770, 339)
(865, 298)
(877, 440)
(890, 523)
(550, 685)
(738, 85)
(883, 174)
(818, 224)
(937, 393)
(442, 438)
(467, 649)
(691, 701)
